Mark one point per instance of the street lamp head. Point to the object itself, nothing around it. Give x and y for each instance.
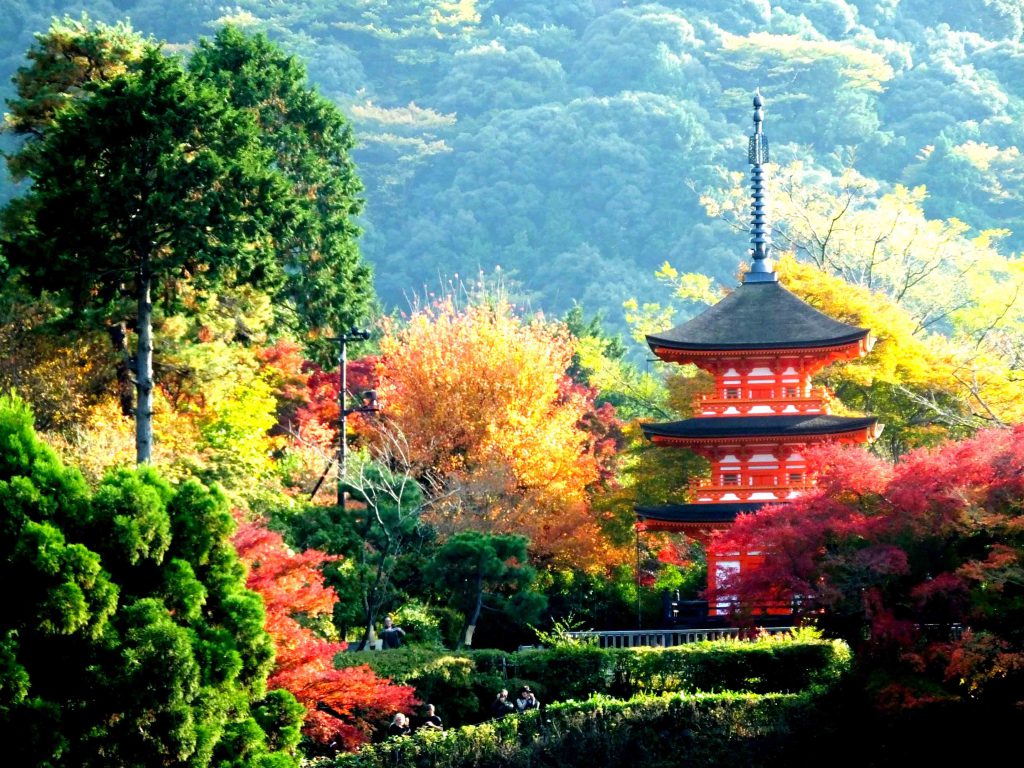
(367, 404)
(358, 334)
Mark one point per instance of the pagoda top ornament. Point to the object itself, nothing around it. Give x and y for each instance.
(760, 314)
(760, 229)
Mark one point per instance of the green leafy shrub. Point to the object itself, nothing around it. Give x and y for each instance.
(709, 729)
(128, 632)
(422, 626)
(446, 680)
(462, 685)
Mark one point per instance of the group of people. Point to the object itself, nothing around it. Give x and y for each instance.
(401, 725)
(525, 701)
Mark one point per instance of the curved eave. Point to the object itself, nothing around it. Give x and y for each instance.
(758, 316)
(697, 514)
(657, 342)
(768, 429)
(829, 352)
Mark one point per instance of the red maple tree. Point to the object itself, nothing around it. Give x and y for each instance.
(342, 705)
(920, 565)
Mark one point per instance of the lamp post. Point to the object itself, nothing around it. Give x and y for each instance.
(368, 404)
(639, 612)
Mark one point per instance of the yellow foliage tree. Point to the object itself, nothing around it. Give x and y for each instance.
(491, 419)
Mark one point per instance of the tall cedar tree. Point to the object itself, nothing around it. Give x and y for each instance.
(70, 54)
(342, 705)
(898, 558)
(151, 179)
(129, 638)
(329, 287)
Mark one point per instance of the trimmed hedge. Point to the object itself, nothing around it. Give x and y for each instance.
(462, 685)
(695, 730)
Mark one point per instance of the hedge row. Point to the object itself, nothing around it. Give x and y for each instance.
(462, 685)
(695, 730)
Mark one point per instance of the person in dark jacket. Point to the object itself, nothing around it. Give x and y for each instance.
(501, 706)
(431, 722)
(391, 635)
(399, 725)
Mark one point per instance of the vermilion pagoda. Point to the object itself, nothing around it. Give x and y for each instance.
(762, 344)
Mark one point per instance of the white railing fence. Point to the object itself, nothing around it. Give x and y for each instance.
(664, 638)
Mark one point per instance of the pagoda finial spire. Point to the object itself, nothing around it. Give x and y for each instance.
(760, 230)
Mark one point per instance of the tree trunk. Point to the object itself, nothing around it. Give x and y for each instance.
(467, 641)
(144, 369)
(118, 333)
(368, 638)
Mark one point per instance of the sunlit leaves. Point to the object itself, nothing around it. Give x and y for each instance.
(482, 398)
(859, 66)
(64, 60)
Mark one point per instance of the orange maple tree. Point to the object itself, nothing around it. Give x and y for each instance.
(482, 398)
(342, 705)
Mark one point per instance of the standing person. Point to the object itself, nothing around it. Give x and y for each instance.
(501, 706)
(399, 725)
(526, 700)
(431, 722)
(391, 635)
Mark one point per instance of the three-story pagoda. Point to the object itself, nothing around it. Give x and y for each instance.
(763, 345)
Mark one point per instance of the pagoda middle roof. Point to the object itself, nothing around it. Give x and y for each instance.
(758, 315)
(758, 426)
(717, 512)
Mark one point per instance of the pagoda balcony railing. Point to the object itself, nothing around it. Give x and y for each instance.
(819, 401)
(744, 492)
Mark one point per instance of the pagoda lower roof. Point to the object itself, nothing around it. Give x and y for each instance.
(719, 512)
(798, 426)
(756, 316)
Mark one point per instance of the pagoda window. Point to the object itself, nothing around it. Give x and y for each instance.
(796, 477)
(732, 393)
(789, 391)
(731, 478)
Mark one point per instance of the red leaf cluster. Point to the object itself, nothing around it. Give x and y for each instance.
(318, 417)
(906, 556)
(296, 599)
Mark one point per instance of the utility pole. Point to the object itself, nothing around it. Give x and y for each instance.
(368, 405)
(343, 411)
(639, 611)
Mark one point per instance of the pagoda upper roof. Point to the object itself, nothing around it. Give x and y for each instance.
(719, 512)
(758, 315)
(797, 426)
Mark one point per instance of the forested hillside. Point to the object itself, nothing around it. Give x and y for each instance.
(569, 143)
